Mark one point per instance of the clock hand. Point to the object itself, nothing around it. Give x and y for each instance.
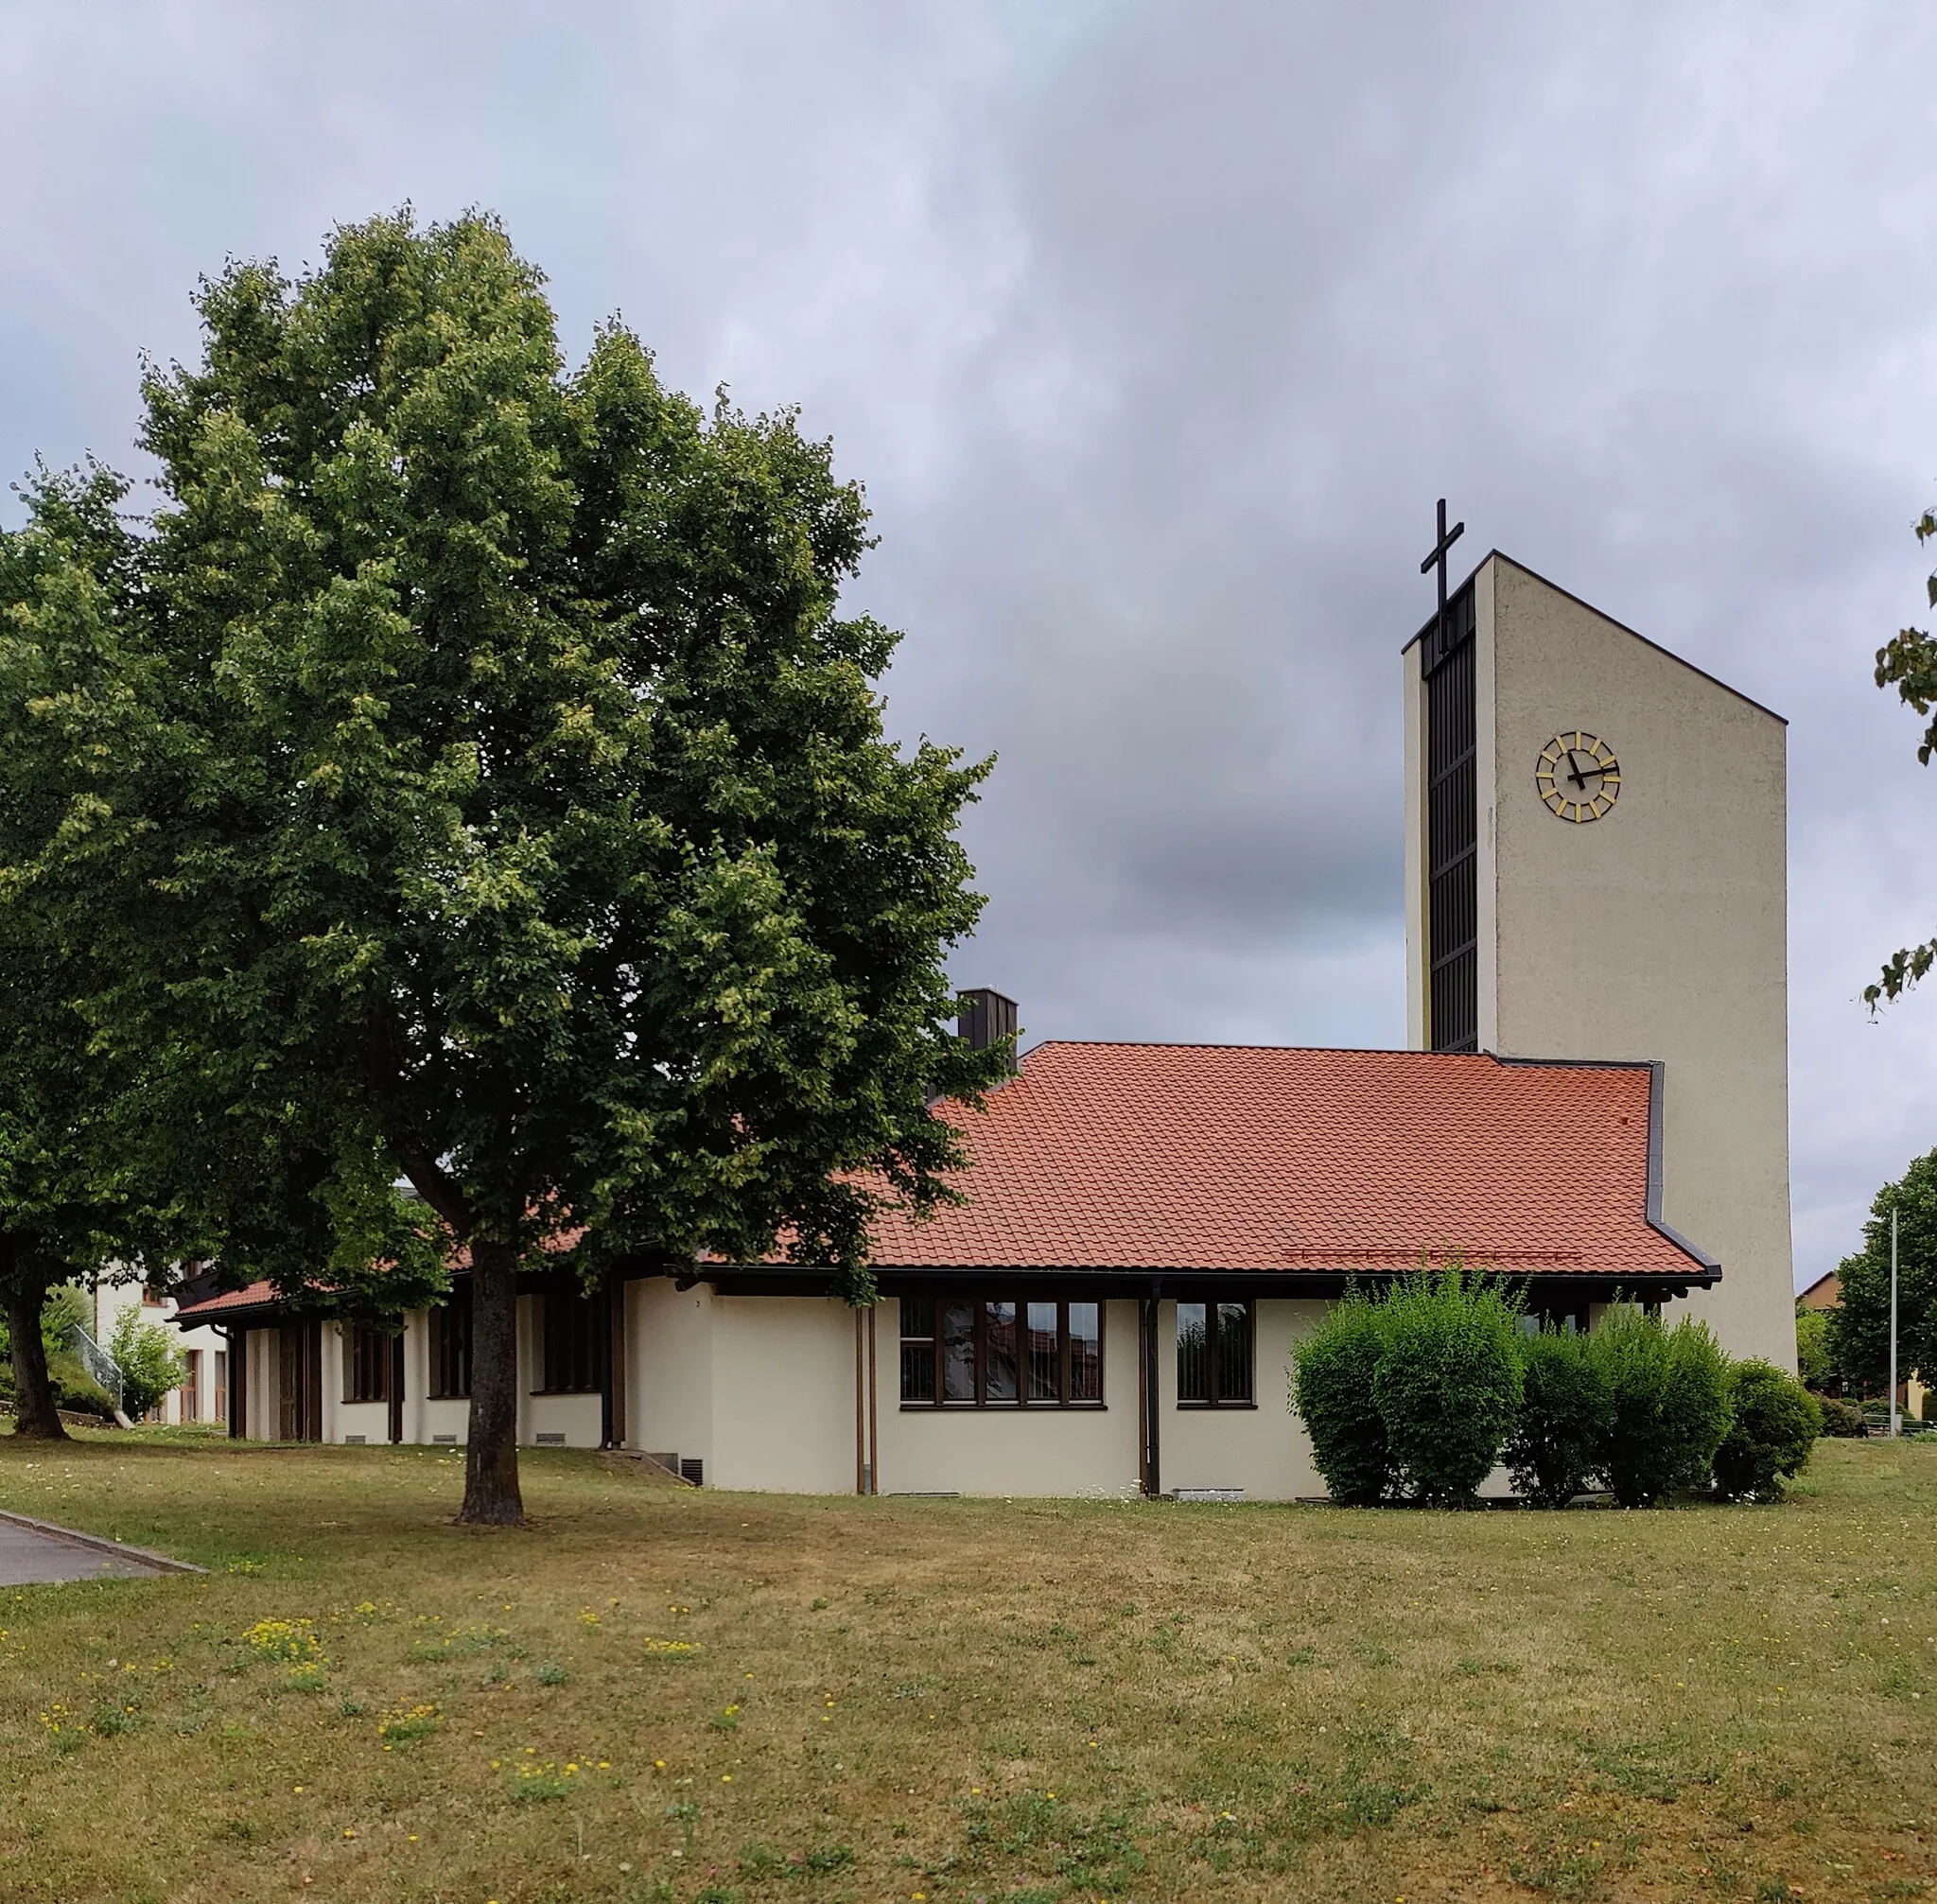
(1596, 769)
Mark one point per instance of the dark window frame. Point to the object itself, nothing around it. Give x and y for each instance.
(366, 1363)
(979, 1300)
(1215, 1384)
(449, 1331)
(571, 1341)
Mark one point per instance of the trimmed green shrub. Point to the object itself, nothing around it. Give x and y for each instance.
(1332, 1375)
(1776, 1422)
(1840, 1417)
(1670, 1405)
(1565, 1411)
(1447, 1382)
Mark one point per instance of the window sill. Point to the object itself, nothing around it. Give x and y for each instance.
(1216, 1408)
(1004, 1408)
(442, 1397)
(536, 1393)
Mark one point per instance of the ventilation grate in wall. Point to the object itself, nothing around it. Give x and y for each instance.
(694, 1470)
(551, 1441)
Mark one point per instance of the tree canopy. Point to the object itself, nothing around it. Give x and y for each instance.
(1860, 1331)
(1909, 663)
(78, 1180)
(509, 851)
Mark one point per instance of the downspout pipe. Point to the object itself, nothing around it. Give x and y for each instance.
(1153, 1448)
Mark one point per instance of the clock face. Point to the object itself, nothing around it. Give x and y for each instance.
(1578, 777)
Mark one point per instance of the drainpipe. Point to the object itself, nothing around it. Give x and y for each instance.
(612, 1367)
(1153, 1451)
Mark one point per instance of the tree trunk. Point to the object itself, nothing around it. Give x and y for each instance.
(491, 1461)
(34, 1413)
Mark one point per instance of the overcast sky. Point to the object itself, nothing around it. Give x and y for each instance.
(1154, 331)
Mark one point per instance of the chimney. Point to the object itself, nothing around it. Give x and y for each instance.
(987, 1018)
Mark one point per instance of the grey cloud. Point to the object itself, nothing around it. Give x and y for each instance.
(1154, 330)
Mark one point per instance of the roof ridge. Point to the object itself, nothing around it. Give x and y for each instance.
(1336, 1050)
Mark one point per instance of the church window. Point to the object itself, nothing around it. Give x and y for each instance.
(999, 1351)
(366, 1365)
(450, 1345)
(1453, 834)
(574, 1329)
(1213, 1356)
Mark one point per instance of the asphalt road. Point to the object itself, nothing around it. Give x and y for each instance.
(30, 1557)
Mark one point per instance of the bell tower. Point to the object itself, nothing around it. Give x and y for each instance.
(1597, 868)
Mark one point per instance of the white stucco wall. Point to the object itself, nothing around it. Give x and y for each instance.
(669, 1370)
(262, 1396)
(783, 1395)
(1262, 1450)
(1010, 1451)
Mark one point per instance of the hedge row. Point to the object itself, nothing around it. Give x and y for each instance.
(1419, 1394)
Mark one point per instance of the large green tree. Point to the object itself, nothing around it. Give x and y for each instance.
(1908, 664)
(72, 1192)
(1860, 1328)
(512, 812)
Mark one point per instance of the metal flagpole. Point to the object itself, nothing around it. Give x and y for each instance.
(1893, 1322)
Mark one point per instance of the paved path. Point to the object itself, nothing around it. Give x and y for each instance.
(33, 1553)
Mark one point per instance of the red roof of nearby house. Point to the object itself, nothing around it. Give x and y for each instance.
(251, 1296)
(1247, 1157)
(264, 1295)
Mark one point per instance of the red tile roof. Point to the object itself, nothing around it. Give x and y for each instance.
(264, 1295)
(251, 1296)
(1246, 1158)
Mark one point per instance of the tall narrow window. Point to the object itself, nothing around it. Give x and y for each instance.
(1085, 1335)
(1193, 1352)
(917, 1349)
(221, 1407)
(450, 1345)
(1045, 1355)
(366, 1365)
(574, 1338)
(1213, 1355)
(191, 1387)
(999, 1351)
(1452, 832)
(958, 1352)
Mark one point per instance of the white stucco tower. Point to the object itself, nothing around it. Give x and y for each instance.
(1597, 868)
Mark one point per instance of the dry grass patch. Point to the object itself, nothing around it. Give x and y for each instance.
(657, 1694)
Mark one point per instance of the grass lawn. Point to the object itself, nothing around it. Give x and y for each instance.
(664, 1694)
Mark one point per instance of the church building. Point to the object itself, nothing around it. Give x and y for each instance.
(1595, 1102)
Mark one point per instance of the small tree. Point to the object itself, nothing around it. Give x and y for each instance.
(1448, 1382)
(1775, 1424)
(1815, 1355)
(1332, 1390)
(1566, 1409)
(150, 1360)
(1860, 1329)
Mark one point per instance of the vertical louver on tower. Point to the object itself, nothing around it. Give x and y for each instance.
(1452, 832)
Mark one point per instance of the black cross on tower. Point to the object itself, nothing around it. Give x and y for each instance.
(1439, 557)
